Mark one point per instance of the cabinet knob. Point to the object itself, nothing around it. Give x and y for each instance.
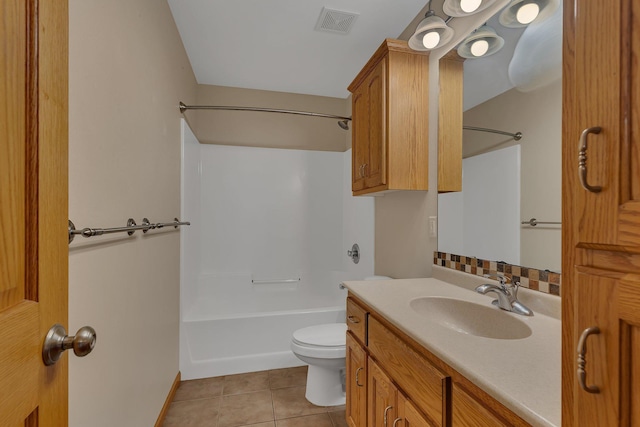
(582, 159)
(582, 353)
(353, 319)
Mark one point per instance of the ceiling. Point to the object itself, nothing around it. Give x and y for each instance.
(273, 44)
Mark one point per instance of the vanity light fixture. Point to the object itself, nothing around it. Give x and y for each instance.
(458, 8)
(482, 42)
(520, 13)
(432, 32)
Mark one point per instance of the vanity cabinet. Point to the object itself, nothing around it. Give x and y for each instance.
(601, 214)
(356, 381)
(469, 412)
(408, 414)
(356, 365)
(383, 395)
(389, 406)
(392, 381)
(390, 108)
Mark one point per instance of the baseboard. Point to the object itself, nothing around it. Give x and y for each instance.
(165, 407)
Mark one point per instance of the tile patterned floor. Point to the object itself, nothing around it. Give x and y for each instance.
(259, 399)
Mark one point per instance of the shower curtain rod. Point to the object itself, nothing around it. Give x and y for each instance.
(184, 107)
(343, 119)
(516, 136)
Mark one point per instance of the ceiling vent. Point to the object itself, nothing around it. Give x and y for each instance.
(335, 21)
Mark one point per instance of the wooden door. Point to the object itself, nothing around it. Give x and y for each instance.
(408, 415)
(33, 209)
(605, 103)
(356, 409)
(382, 401)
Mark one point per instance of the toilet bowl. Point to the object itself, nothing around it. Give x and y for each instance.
(324, 349)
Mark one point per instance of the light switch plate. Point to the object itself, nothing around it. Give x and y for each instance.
(433, 226)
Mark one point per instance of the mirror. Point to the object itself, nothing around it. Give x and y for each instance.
(506, 183)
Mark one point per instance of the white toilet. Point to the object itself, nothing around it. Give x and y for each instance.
(324, 348)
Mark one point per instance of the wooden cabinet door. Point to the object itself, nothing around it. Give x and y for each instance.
(408, 415)
(611, 357)
(469, 412)
(382, 401)
(602, 95)
(356, 408)
(360, 137)
(369, 130)
(375, 168)
(33, 209)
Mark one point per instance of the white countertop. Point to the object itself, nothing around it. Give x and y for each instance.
(523, 374)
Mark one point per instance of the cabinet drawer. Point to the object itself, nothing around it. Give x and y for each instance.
(468, 412)
(357, 320)
(423, 383)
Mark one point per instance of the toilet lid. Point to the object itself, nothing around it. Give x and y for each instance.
(328, 335)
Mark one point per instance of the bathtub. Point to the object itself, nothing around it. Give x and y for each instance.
(247, 343)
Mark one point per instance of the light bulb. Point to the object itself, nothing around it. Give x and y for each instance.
(431, 39)
(479, 47)
(469, 6)
(527, 13)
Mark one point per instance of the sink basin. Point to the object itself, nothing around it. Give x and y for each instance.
(470, 318)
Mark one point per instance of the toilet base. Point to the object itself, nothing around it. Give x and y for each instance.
(325, 386)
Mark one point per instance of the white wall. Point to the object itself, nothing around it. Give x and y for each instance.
(404, 247)
(127, 72)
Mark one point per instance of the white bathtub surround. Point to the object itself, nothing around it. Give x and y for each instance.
(259, 215)
(524, 374)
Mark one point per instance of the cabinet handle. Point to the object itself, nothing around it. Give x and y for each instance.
(364, 170)
(582, 352)
(357, 379)
(353, 319)
(384, 419)
(582, 159)
(396, 421)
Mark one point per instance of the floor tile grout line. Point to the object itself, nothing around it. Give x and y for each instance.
(273, 409)
(219, 408)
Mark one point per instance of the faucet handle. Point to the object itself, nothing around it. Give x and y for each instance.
(501, 278)
(515, 286)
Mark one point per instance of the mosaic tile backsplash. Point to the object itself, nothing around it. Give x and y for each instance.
(531, 278)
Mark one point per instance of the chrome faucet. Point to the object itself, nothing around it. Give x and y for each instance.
(507, 295)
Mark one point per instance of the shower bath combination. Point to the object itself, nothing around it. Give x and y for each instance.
(290, 213)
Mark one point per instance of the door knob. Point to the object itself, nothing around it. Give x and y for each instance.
(57, 342)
